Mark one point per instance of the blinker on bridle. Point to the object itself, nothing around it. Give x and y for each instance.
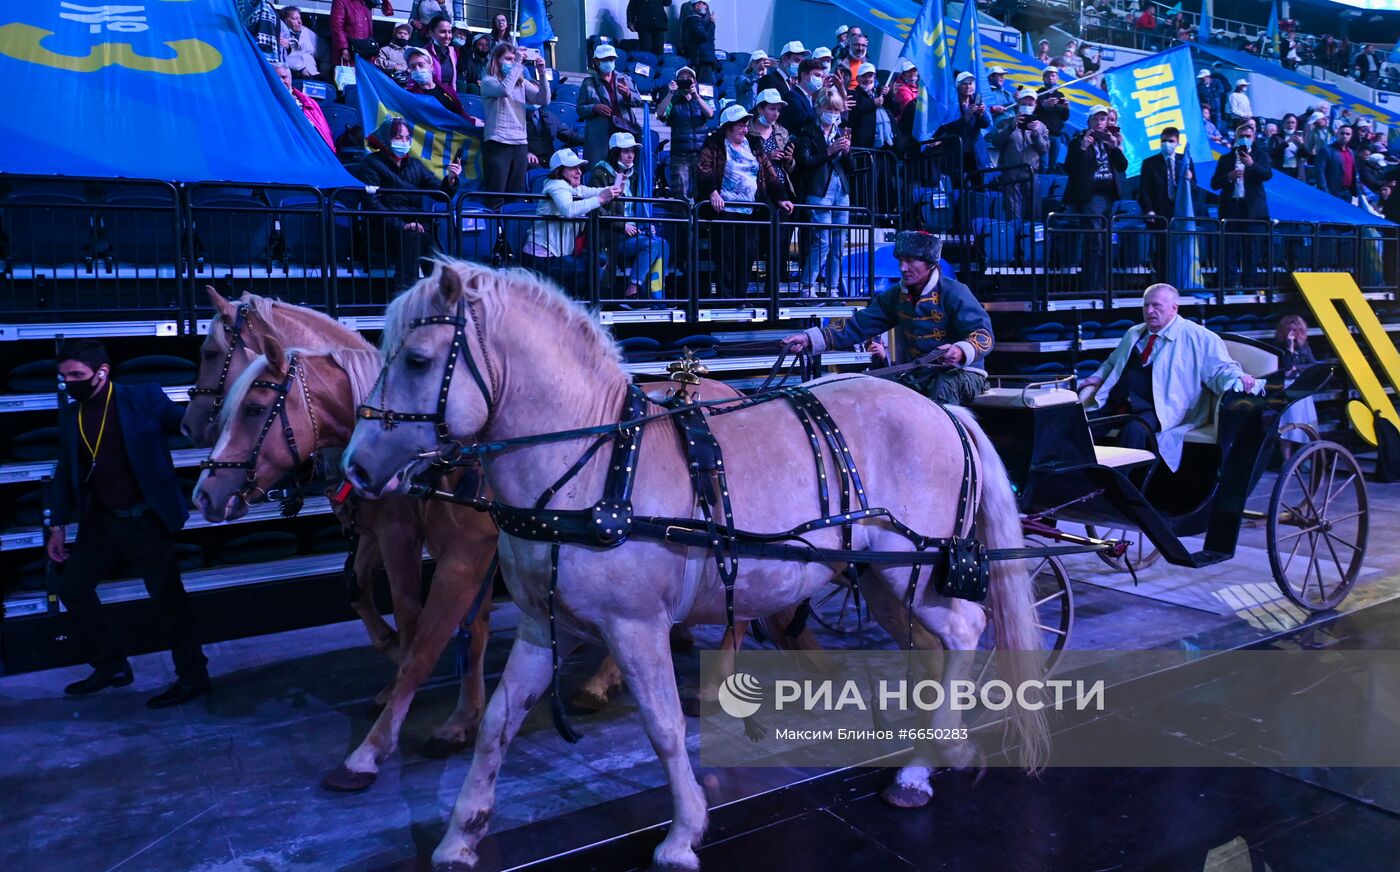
(390, 418)
(278, 412)
(236, 342)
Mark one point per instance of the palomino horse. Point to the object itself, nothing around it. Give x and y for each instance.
(552, 368)
(234, 341)
(462, 540)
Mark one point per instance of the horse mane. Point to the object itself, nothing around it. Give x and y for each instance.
(233, 401)
(320, 332)
(503, 290)
(360, 365)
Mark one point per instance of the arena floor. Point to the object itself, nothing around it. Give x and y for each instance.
(231, 782)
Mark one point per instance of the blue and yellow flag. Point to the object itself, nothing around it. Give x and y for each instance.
(1151, 95)
(927, 49)
(1203, 25)
(1272, 31)
(967, 49)
(438, 135)
(533, 28)
(143, 91)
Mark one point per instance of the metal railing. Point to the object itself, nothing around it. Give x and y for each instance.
(129, 251)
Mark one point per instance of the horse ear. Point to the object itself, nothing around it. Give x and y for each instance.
(449, 283)
(273, 351)
(224, 307)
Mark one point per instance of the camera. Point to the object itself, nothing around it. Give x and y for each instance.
(684, 84)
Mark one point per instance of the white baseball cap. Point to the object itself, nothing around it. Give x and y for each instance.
(1099, 110)
(905, 65)
(604, 51)
(565, 157)
(996, 71)
(622, 140)
(735, 112)
(759, 55)
(1055, 70)
(1202, 74)
(1239, 82)
(821, 53)
(962, 77)
(1024, 93)
(794, 47)
(842, 29)
(865, 68)
(771, 97)
(1316, 117)
(690, 70)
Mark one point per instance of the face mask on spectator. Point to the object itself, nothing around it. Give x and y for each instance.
(81, 390)
(400, 147)
(1026, 109)
(830, 118)
(792, 69)
(506, 67)
(458, 41)
(814, 83)
(1246, 141)
(762, 119)
(400, 41)
(606, 67)
(1168, 149)
(422, 75)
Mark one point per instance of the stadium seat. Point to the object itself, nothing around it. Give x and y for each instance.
(133, 235)
(741, 58)
(535, 179)
(340, 117)
(303, 231)
(517, 227)
(567, 93)
(476, 233)
(259, 547)
(474, 105)
(33, 377)
(999, 248)
(567, 112)
(231, 230)
(641, 57)
(47, 227)
(165, 370)
(40, 444)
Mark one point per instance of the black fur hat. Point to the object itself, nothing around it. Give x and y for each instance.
(919, 244)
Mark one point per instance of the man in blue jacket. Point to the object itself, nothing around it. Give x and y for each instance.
(935, 317)
(116, 478)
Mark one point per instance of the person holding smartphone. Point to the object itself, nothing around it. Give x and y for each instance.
(689, 116)
(1095, 165)
(972, 119)
(824, 181)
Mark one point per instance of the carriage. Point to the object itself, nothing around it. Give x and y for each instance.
(1138, 511)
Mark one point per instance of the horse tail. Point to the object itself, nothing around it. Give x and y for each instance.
(1012, 597)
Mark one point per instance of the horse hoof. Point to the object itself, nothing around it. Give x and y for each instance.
(589, 702)
(436, 748)
(905, 796)
(343, 780)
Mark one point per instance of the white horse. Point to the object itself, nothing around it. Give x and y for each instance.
(528, 361)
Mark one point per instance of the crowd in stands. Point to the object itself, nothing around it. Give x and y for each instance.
(763, 134)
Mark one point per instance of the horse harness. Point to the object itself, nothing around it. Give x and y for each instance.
(235, 342)
(276, 413)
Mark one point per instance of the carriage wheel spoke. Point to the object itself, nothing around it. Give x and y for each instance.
(1296, 533)
(1312, 561)
(1294, 553)
(1338, 492)
(1307, 494)
(1336, 561)
(1347, 517)
(1052, 630)
(1059, 594)
(1333, 537)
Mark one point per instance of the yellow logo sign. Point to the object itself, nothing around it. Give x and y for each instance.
(1328, 294)
(24, 42)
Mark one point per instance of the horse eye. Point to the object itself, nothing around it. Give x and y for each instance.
(212, 354)
(414, 361)
(253, 410)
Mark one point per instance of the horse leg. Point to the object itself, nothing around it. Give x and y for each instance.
(367, 564)
(459, 730)
(594, 694)
(401, 546)
(707, 697)
(454, 587)
(643, 651)
(523, 683)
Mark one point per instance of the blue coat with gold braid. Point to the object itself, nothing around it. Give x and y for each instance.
(944, 313)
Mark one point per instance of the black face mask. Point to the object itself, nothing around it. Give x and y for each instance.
(400, 43)
(83, 390)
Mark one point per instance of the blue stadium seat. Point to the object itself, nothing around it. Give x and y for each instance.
(517, 229)
(231, 230)
(641, 57)
(340, 117)
(476, 233)
(567, 93)
(133, 235)
(474, 105)
(741, 58)
(536, 178)
(567, 112)
(47, 227)
(302, 232)
(1032, 236)
(999, 249)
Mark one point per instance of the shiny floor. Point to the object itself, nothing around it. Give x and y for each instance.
(231, 782)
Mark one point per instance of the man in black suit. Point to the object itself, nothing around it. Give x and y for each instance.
(1240, 177)
(116, 477)
(782, 77)
(649, 20)
(799, 111)
(1160, 184)
(1095, 164)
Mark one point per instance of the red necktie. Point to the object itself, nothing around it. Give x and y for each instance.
(1147, 349)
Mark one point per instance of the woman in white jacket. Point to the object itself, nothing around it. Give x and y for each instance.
(552, 246)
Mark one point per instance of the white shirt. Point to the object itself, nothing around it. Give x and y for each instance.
(1238, 105)
(1190, 370)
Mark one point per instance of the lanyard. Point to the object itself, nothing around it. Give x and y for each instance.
(92, 447)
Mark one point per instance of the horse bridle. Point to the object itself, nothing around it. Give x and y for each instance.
(235, 342)
(460, 348)
(278, 412)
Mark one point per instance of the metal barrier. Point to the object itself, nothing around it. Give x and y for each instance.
(831, 254)
(1076, 256)
(932, 189)
(878, 184)
(1246, 261)
(99, 250)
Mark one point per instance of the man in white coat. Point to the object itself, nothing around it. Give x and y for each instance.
(1168, 371)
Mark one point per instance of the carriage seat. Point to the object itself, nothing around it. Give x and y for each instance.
(1256, 359)
(1118, 458)
(1040, 398)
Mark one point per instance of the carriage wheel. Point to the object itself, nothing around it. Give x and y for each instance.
(1054, 608)
(1318, 525)
(836, 609)
(1141, 553)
